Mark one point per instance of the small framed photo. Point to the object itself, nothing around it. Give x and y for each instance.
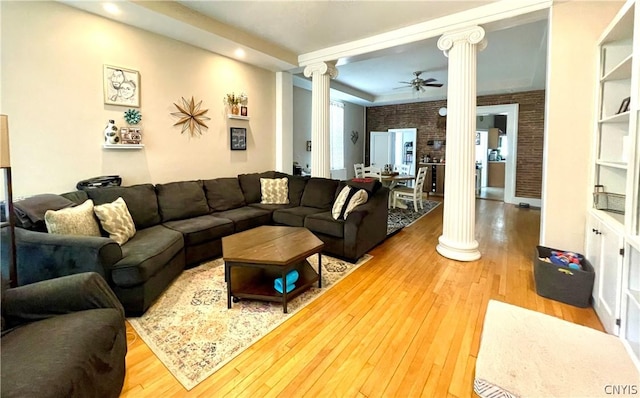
(130, 135)
(624, 106)
(243, 111)
(238, 139)
(121, 86)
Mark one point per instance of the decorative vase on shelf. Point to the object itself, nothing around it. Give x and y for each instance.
(111, 133)
(235, 109)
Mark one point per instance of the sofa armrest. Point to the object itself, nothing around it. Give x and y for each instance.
(72, 293)
(42, 256)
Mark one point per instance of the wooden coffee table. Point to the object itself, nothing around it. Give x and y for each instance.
(253, 259)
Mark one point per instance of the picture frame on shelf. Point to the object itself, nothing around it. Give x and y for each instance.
(238, 139)
(121, 86)
(243, 111)
(130, 135)
(624, 106)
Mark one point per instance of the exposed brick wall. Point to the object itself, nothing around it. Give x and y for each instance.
(424, 117)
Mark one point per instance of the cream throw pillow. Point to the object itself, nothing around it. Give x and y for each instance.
(347, 200)
(275, 191)
(116, 220)
(77, 220)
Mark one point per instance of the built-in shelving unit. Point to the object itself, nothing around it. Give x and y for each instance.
(123, 146)
(238, 117)
(613, 239)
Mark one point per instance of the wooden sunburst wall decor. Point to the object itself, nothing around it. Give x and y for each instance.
(191, 117)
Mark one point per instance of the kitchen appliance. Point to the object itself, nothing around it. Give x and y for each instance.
(494, 155)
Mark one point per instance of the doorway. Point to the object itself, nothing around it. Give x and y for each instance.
(509, 143)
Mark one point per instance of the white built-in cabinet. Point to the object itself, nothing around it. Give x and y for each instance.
(613, 222)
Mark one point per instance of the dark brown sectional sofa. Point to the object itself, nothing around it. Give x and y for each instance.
(182, 224)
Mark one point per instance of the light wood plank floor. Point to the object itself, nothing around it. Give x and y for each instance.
(405, 324)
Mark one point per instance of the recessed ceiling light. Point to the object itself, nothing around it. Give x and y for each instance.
(240, 53)
(111, 8)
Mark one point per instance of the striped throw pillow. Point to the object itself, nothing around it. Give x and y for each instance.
(347, 200)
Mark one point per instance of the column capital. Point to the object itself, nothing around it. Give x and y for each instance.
(471, 34)
(323, 68)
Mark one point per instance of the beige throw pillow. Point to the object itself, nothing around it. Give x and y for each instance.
(347, 200)
(116, 220)
(275, 191)
(77, 220)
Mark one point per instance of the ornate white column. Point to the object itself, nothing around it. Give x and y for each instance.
(321, 74)
(457, 241)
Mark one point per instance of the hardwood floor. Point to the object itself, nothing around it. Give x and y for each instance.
(405, 324)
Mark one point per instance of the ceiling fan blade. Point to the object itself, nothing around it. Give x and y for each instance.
(406, 83)
(396, 88)
(429, 80)
(433, 85)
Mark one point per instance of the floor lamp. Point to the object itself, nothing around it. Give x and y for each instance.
(5, 164)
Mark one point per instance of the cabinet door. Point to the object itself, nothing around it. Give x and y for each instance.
(440, 179)
(493, 138)
(607, 302)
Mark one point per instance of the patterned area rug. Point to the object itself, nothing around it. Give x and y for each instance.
(400, 218)
(192, 332)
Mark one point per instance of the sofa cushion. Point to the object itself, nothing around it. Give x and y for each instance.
(180, 200)
(201, 229)
(246, 217)
(274, 191)
(296, 186)
(116, 220)
(145, 254)
(293, 217)
(78, 220)
(30, 211)
(271, 208)
(77, 197)
(64, 356)
(348, 198)
(141, 200)
(319, 193)
(324, 223)
(250, 184)
(223, 194)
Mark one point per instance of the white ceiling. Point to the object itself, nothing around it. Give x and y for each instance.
(282, 35)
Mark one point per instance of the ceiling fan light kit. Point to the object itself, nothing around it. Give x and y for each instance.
(418, 84)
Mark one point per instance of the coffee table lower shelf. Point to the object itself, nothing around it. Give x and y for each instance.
(255, 281)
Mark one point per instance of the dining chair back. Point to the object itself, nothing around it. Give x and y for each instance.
(373, 172)
(413, 194)
(403, 169)
(359, 169)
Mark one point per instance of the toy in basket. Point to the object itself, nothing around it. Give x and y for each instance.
(567, 259)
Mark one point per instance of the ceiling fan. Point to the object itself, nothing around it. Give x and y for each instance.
(418, 84)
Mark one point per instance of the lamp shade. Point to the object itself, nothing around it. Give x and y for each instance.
(4, 141)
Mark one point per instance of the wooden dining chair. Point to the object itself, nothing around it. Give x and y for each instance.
(413, 194)
(359, 169)
(403, 169)
(373, 172)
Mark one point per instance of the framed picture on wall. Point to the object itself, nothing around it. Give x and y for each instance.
(238, 139)
(121, 86)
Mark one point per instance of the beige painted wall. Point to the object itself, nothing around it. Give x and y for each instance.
(575, 27)
(51, 88)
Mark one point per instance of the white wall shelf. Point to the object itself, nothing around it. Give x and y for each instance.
(122, 146)
(238, 117)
